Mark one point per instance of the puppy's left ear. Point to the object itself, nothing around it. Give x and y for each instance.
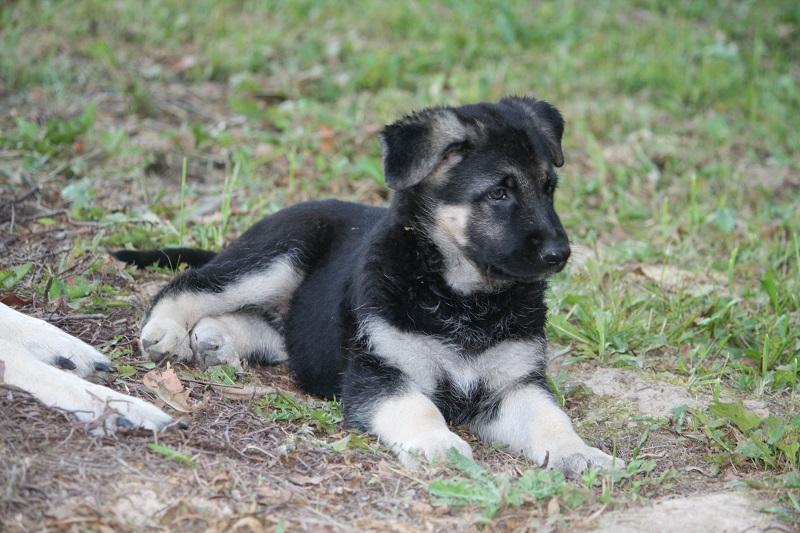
(418, 145)
(546, 118)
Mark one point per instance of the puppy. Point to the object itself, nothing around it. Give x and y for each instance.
(46, 362)
(429, 312)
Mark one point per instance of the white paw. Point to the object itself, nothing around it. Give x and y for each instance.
(87, 401)
(573, 461)
(116, 410)
(212, 345)
(49, 344)
(67, 353)
(164, 337)
(431, 446)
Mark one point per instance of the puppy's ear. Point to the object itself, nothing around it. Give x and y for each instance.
(417, 145)
(547, 119)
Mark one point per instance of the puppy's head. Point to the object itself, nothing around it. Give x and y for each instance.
(481, 179)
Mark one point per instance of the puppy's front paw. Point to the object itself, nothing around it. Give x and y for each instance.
(431, 446)
(212, 345)
(164, 337)
(573, 462)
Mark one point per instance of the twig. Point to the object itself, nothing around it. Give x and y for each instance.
(48, 214)
(62, 318)
(24, 196)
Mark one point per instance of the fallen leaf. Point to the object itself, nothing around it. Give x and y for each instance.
(553, 507)
(274, 496)
(301, 480)
(12, 300)
(248, 523)
(327, 136)
(675, 279)
(167, 385)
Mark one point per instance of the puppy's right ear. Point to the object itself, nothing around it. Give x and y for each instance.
(418, 145)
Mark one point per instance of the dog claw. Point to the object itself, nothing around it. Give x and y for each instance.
(206, 346)
(101, 366)
(124, 423)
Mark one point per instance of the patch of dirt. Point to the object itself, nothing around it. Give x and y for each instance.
(731, 512)
(649, 394)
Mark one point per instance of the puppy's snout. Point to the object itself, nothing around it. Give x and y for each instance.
(555, 254)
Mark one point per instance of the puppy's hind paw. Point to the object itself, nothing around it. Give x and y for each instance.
(213, 346)
(163, 338)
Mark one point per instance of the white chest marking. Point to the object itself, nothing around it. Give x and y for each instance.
(426, 360)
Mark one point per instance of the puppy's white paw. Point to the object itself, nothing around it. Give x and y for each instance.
(163, 337)
(573, 461)
(431, 446)
(212, 345)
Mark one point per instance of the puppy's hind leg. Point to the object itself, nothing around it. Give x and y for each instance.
(214, 290)
(231, 339)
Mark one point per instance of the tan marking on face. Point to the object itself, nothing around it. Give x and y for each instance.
(451, 222)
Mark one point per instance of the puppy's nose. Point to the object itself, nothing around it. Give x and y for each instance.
(556, 254)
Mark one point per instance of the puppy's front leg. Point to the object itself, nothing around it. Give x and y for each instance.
(531, 421)
(413, 426)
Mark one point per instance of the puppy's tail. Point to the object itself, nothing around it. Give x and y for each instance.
(166, 258)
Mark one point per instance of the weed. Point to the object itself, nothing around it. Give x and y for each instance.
(170, 453)
(52, 138)
(317, 415)
(475, 486)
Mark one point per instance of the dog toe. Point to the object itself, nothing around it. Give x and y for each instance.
(64, 363)
(163, 339)
(212, 346)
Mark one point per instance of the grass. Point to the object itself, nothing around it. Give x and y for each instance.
(681, 190)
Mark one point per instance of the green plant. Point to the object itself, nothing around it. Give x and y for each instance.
(53, 137)
(316, 414)
(475, 486)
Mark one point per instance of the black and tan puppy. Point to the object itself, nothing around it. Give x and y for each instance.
(428, 312)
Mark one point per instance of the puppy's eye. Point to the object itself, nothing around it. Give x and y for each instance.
(497, 194)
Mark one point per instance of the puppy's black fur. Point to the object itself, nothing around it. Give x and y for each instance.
(431, 309)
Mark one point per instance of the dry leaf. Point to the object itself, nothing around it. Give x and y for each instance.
(167, 385)
(301, 480)
(12, 300)
(327, 136)
(248, 523)
(674, 279)
(553, 507)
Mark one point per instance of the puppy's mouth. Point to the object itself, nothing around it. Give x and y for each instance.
(528, 273)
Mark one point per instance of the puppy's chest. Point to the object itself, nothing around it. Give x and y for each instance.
(433, 364)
